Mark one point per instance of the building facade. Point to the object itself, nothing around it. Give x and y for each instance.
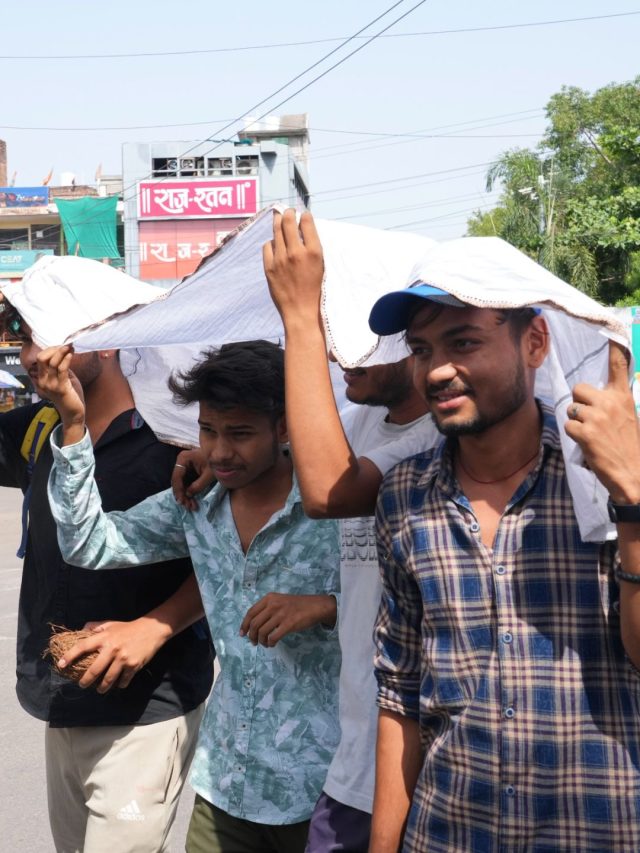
(182, 199)
(30, 223)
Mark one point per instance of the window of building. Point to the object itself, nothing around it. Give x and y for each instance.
(192, 167)
(164, 167)
(247, 164)
(300, 188)
(218, 166)
(14, 238)
(45, 237)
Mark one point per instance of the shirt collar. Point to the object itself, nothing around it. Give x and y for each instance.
(125, 422)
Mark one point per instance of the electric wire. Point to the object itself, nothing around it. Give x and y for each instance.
(286, 85)
(308, 43)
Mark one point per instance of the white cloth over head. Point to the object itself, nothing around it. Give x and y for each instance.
(59, 295)
(227, 299)
(487, 272)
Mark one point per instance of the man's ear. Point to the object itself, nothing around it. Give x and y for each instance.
(281, 430)
(536, 341)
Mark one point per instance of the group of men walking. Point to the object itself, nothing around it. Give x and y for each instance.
(462, 677)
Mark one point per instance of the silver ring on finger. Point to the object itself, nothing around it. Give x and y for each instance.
(574, 412)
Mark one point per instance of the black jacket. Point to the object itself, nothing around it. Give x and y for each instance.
(131, 464)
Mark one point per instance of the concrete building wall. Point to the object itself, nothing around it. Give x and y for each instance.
(3, 163)
(282, 177)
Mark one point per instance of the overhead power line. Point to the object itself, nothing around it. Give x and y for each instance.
(378, 133)
(315, 65)
(381, 191)
(359, 146)
(384, 186)
(438, 218)
(326, 71)
(276, 45)
(381, 134)
(285, 86)
(439, 202)
(463, 126)
(406, 178)
(297, 77)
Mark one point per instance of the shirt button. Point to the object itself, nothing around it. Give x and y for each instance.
(239, 768)
(509, 713)
(247, 682)
(474, 527)
(510, 791)
(507, 637)
(248, 585)
(500, 570)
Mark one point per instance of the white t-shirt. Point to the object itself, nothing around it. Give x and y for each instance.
(351, 774)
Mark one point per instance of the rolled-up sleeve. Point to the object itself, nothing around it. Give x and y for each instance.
(397, 632)
(150, 532)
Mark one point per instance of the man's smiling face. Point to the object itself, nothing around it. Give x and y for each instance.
(468, 366)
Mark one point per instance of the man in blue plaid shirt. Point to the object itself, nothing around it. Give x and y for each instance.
(507, 648)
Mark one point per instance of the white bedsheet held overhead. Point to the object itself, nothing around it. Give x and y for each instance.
(59, 295)
(489, 273)
(227, 299)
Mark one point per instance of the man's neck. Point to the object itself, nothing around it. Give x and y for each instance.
(271, 488)
(494, 452)
(105, 398)
(253, 505)
(491, 466)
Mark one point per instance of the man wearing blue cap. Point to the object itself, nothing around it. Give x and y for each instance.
(340, 471)
(507, 648)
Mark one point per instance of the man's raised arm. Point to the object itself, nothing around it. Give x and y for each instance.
(333, 482)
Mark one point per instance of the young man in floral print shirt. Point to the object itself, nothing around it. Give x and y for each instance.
(268, 577)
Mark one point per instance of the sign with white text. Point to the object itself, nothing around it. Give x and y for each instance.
(171, 250)
(198, 199)
(24, 196)
(14, 261)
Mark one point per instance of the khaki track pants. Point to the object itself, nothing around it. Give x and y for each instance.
(115, 789)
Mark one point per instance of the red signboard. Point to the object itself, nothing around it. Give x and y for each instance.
(171, 250)
(198, 199)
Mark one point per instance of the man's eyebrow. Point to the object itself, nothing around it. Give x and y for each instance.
(450, 333)
(465, 327)
(230, 426)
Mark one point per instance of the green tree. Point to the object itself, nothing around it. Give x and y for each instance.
(573, 203)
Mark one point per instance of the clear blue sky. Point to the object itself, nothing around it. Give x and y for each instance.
(489, 88)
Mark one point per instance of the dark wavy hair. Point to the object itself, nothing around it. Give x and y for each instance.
(248, 374)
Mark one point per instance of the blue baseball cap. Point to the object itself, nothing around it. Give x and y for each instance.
(390, 314)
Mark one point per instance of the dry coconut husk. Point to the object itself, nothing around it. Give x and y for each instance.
(60, 641)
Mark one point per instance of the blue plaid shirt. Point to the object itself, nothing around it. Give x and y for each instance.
(511, 660)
